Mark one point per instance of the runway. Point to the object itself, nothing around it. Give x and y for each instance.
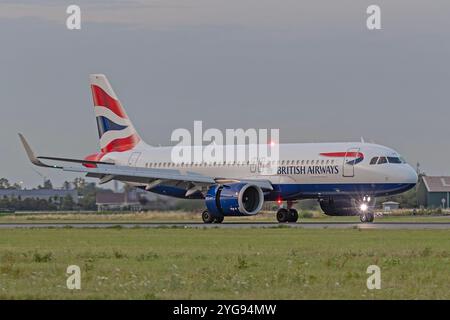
(234, 225)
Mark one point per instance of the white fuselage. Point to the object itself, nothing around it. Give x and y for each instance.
(302, 170)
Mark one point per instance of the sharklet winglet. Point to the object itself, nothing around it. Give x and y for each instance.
(34, 160)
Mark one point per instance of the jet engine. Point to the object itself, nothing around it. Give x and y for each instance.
(235, 199)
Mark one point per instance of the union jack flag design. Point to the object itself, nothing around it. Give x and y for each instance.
(115, 130)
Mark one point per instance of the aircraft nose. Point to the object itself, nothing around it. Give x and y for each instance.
(410, 175)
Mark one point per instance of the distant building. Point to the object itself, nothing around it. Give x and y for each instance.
(434, 192)
(53, 195)
(390, 205)
(117, 201)
(133, 200)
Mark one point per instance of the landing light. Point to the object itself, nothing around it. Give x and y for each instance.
(363, 207)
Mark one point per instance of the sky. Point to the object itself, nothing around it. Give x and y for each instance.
(310, 68)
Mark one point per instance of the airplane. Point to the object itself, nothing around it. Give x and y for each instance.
(345, 178)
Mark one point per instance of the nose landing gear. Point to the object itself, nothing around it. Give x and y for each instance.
(366, 217)
(366, 212)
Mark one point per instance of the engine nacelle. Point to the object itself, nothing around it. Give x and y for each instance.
(236, 199)
(339, 207)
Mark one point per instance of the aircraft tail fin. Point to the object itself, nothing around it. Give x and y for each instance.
(115, 130)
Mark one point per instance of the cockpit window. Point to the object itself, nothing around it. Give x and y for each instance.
(382, 160)
(394, 160)
(374, 160)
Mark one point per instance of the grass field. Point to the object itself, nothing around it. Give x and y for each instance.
(272, 263)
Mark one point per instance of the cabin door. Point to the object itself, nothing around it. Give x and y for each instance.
(348, 166)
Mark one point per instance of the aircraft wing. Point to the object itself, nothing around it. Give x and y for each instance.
(148, 177)
(136, 174)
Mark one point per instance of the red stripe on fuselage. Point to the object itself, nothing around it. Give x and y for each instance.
(101, 98)
(343, 154)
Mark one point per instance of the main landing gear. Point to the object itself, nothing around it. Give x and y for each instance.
(287, 215)
(209, 218)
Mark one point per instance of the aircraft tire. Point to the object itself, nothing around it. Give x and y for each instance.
(363, 218)
(293, 215)
(218, 219)
(367, 217)
(282, 215)
(207, 217)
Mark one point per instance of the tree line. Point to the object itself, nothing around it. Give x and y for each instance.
(86, 193)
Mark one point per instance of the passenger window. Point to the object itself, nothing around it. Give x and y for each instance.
(394, 160)
(382, 160)
(374, 160)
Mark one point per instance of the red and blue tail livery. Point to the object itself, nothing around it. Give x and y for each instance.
(115, 130)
